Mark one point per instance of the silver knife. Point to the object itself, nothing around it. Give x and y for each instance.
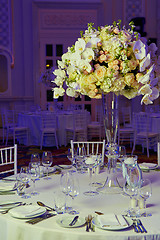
(74, 221)
(140, 223)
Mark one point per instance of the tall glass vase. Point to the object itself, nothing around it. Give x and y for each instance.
(110, 115)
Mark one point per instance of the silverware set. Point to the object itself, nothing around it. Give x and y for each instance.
(88, 223)
(138, 226)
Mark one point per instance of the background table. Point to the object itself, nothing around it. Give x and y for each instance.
(14, 229)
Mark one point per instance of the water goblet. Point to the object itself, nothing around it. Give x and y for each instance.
(145, 191)
(79, 159)
(35, 159)
(122, 153)
(90, 162)
(73, 185)
(34, 172)
(24, 178)
(64, 183)
(47, 161)
(131, 191)
(71, 157)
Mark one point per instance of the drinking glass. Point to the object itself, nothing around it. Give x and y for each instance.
(145, 191)
(35, 159)
(71, 157)
(131, 191)
(79, 159)
(122, 153)
(73, 185)
(64, 182)
(34, 172)
(47, 161)
(96, 171)
(24, 178)
(90, 162)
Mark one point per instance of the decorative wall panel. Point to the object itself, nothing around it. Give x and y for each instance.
(133, 9)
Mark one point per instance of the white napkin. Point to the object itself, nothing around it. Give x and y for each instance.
(6, 186)
(110, 220)
(28, 211)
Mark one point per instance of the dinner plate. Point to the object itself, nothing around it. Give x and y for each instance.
(66, 220)
(113, 227)
(8, 204)
(148, 166)
(27, 211)
(64, 166)
(6, 186)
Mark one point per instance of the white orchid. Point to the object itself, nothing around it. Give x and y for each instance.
(139, 49)
(84, 65)
(60, 73)
(155, 94)
(58, 92)
(146, 100)
(88, 54)
(80, 45)
(145, 78)
(145, 62)
(70, 92)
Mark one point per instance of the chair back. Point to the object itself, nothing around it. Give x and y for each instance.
(142, 122)
(127, 116)
(8, 160)
(49, 120)
(90, 147)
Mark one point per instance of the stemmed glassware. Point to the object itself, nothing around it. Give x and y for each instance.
(145, 191)
(90, 162)
(71, 157)
(34, 172)
(122, 153)
(73, 186)
(24, 178)
(35, 161)
(65, 186)
(47, 161)
(79, 159)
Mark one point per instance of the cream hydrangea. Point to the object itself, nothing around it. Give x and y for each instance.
(109, 59)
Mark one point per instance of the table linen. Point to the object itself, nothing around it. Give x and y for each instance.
(16, 229)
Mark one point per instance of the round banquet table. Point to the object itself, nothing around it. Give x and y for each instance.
(48, 229)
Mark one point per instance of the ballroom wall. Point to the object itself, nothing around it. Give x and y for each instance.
(22, 33)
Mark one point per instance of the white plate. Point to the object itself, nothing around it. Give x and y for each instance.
(6, 186)
(26, 212)
(97, 224)
(8, 204)
(148, 166)
(66, 220)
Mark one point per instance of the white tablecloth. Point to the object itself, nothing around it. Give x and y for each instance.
(16, 229)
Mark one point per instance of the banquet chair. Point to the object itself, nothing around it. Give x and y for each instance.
(143, 132)
(77, 128)
(17, 131)
(8, 160)
(48, 127)
(96, 128)
(90, 147)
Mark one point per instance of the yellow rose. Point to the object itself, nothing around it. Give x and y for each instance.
(129, 79)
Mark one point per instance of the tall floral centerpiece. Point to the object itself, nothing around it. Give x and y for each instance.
(107, 62)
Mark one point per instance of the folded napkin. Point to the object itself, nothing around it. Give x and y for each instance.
(111, 220)
(6, 186)
(27, 211)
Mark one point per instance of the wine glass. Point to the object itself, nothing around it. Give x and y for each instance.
(34, 172)
(24, 178)
(96, 170)
(90, 162)
(122, 153)
(64, 182)
(131, 191)
(79, 159)
(71, 156)
(145, 191)
(47, 161)
(73, 186)
(35, 159)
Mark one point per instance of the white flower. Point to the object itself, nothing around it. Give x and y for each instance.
(58, 92)
(88, 54)
(153, 48)
(59, 73)
(58, 81)
(61, 64)
(146, 100)
(80, 45)
(84, 65)
(155, 94)
(70, 92)
(146, 89)
(147, 76)
(139, 49)
(145, 62)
